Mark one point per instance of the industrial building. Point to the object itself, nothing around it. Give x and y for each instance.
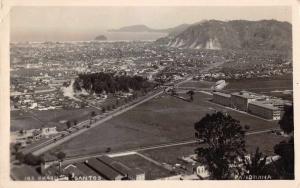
(129, 173)
(104, 170)
(240, 100)
(222, 98)
(101, 168)
(264, 110)
(259, 105)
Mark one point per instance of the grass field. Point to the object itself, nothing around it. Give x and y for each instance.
(162, 120)
(25, 123)
(151, 170)
(198, 84)
(260, 85)
(171, 154)
(37, 119)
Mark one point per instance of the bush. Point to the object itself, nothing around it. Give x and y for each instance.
(247, 127)
(31, 159)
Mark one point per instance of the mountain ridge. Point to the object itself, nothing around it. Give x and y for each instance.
(235, 34)
(143, 28)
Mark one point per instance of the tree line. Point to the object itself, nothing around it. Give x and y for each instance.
(110, 83)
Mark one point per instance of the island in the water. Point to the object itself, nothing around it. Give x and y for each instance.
(101, 37)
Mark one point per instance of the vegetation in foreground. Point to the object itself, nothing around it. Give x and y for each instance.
(225, 154)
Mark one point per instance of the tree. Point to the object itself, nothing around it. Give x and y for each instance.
(31, 159)
(93, 114)
(103, 109)
(285, 149)
(61, 155)
(225, 141)
(191, 94)
(75, 122)
(256, 165)
(286, 165)
(69, 124)
(17, 147)
(20, 156)
(108, 150)
(246, 127)
(287, 121)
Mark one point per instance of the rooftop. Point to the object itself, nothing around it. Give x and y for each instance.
(86, 170)
(248, 95)
(102, 169)
(222, 94)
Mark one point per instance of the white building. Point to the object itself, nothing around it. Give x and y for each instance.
(240, 100)
(264, 110)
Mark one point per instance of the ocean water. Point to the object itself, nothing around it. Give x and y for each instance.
(68, 37)
(133, 36)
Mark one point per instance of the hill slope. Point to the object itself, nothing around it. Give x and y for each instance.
(239, 34)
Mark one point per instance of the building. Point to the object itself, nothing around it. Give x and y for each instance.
(264, 110)
(48, 131)
(202, 172)
(260, 105)
(104, 170)
(26, 136)
(129, 173)
(240, 100)
(222, 98)
(95, 169)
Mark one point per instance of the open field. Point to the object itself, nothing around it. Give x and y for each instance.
(260, 85)
(37, 119)
(265, 142)
(171, 154)
(161, 120)
(152, 170)
(25, 123)
(198, 84)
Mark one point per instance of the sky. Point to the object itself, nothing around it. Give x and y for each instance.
(83, 23)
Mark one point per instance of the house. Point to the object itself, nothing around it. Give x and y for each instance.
(202, 171)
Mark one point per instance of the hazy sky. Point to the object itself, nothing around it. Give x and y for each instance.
(83, 23)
